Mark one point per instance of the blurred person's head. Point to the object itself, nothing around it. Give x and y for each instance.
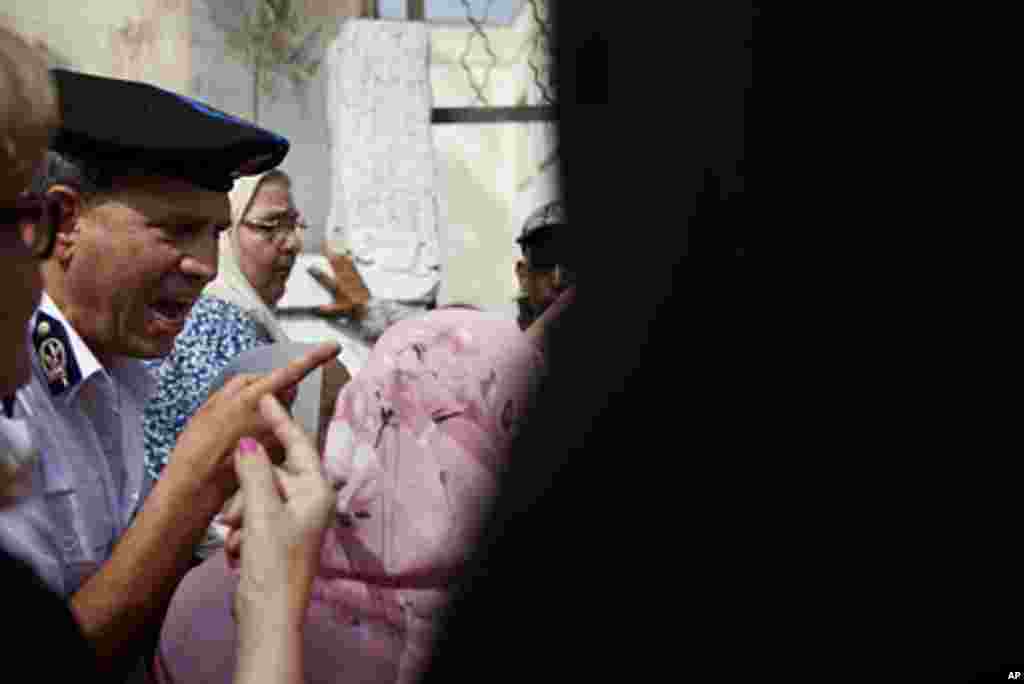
(542, 272)
(266, 233)
(141, 207)
(28, 115)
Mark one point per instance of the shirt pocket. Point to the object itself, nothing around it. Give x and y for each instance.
(84, 542)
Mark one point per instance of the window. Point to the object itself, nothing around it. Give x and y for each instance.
(497, 12)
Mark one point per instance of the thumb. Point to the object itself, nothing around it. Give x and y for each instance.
(256, 479)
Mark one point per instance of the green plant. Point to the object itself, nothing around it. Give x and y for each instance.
(275, 41)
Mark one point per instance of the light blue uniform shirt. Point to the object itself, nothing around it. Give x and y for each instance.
(86, 421)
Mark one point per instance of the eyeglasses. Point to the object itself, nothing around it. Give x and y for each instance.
(279, 229)
(37, 218)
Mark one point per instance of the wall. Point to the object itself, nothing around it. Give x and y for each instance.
(136, 39)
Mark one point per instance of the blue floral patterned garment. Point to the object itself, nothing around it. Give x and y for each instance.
(215, 333)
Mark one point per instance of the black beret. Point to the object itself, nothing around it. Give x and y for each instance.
(538, 225)
(545, 236)
(547, 247)
(137, 126)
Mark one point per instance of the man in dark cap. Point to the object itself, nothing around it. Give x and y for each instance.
(139, 178)
(543, 272)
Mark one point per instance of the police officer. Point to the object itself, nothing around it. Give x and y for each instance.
(137, 178)
(542, 272)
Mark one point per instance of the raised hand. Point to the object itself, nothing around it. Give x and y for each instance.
(204, 449)
(278, 520)
(347, 286)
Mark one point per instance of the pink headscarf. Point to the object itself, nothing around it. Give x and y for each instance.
(417, 443)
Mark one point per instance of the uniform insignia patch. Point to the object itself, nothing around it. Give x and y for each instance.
(55, 361)
(53, 349)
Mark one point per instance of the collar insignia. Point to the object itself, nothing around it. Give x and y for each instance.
(53, 349)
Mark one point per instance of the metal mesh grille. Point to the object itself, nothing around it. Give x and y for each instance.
(540, 59)
(479, 85)
(542, 51)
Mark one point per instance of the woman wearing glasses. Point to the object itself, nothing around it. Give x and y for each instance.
(258, 252)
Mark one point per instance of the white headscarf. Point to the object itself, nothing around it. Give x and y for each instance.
(231, 285)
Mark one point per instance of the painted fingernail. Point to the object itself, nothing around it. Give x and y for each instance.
(247, 445)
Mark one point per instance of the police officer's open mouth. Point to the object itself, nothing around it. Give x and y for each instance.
(172, 310)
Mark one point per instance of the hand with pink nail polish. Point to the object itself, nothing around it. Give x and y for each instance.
(278, 532)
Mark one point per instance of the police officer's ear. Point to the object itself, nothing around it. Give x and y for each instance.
(71, 206)
(521, 274)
